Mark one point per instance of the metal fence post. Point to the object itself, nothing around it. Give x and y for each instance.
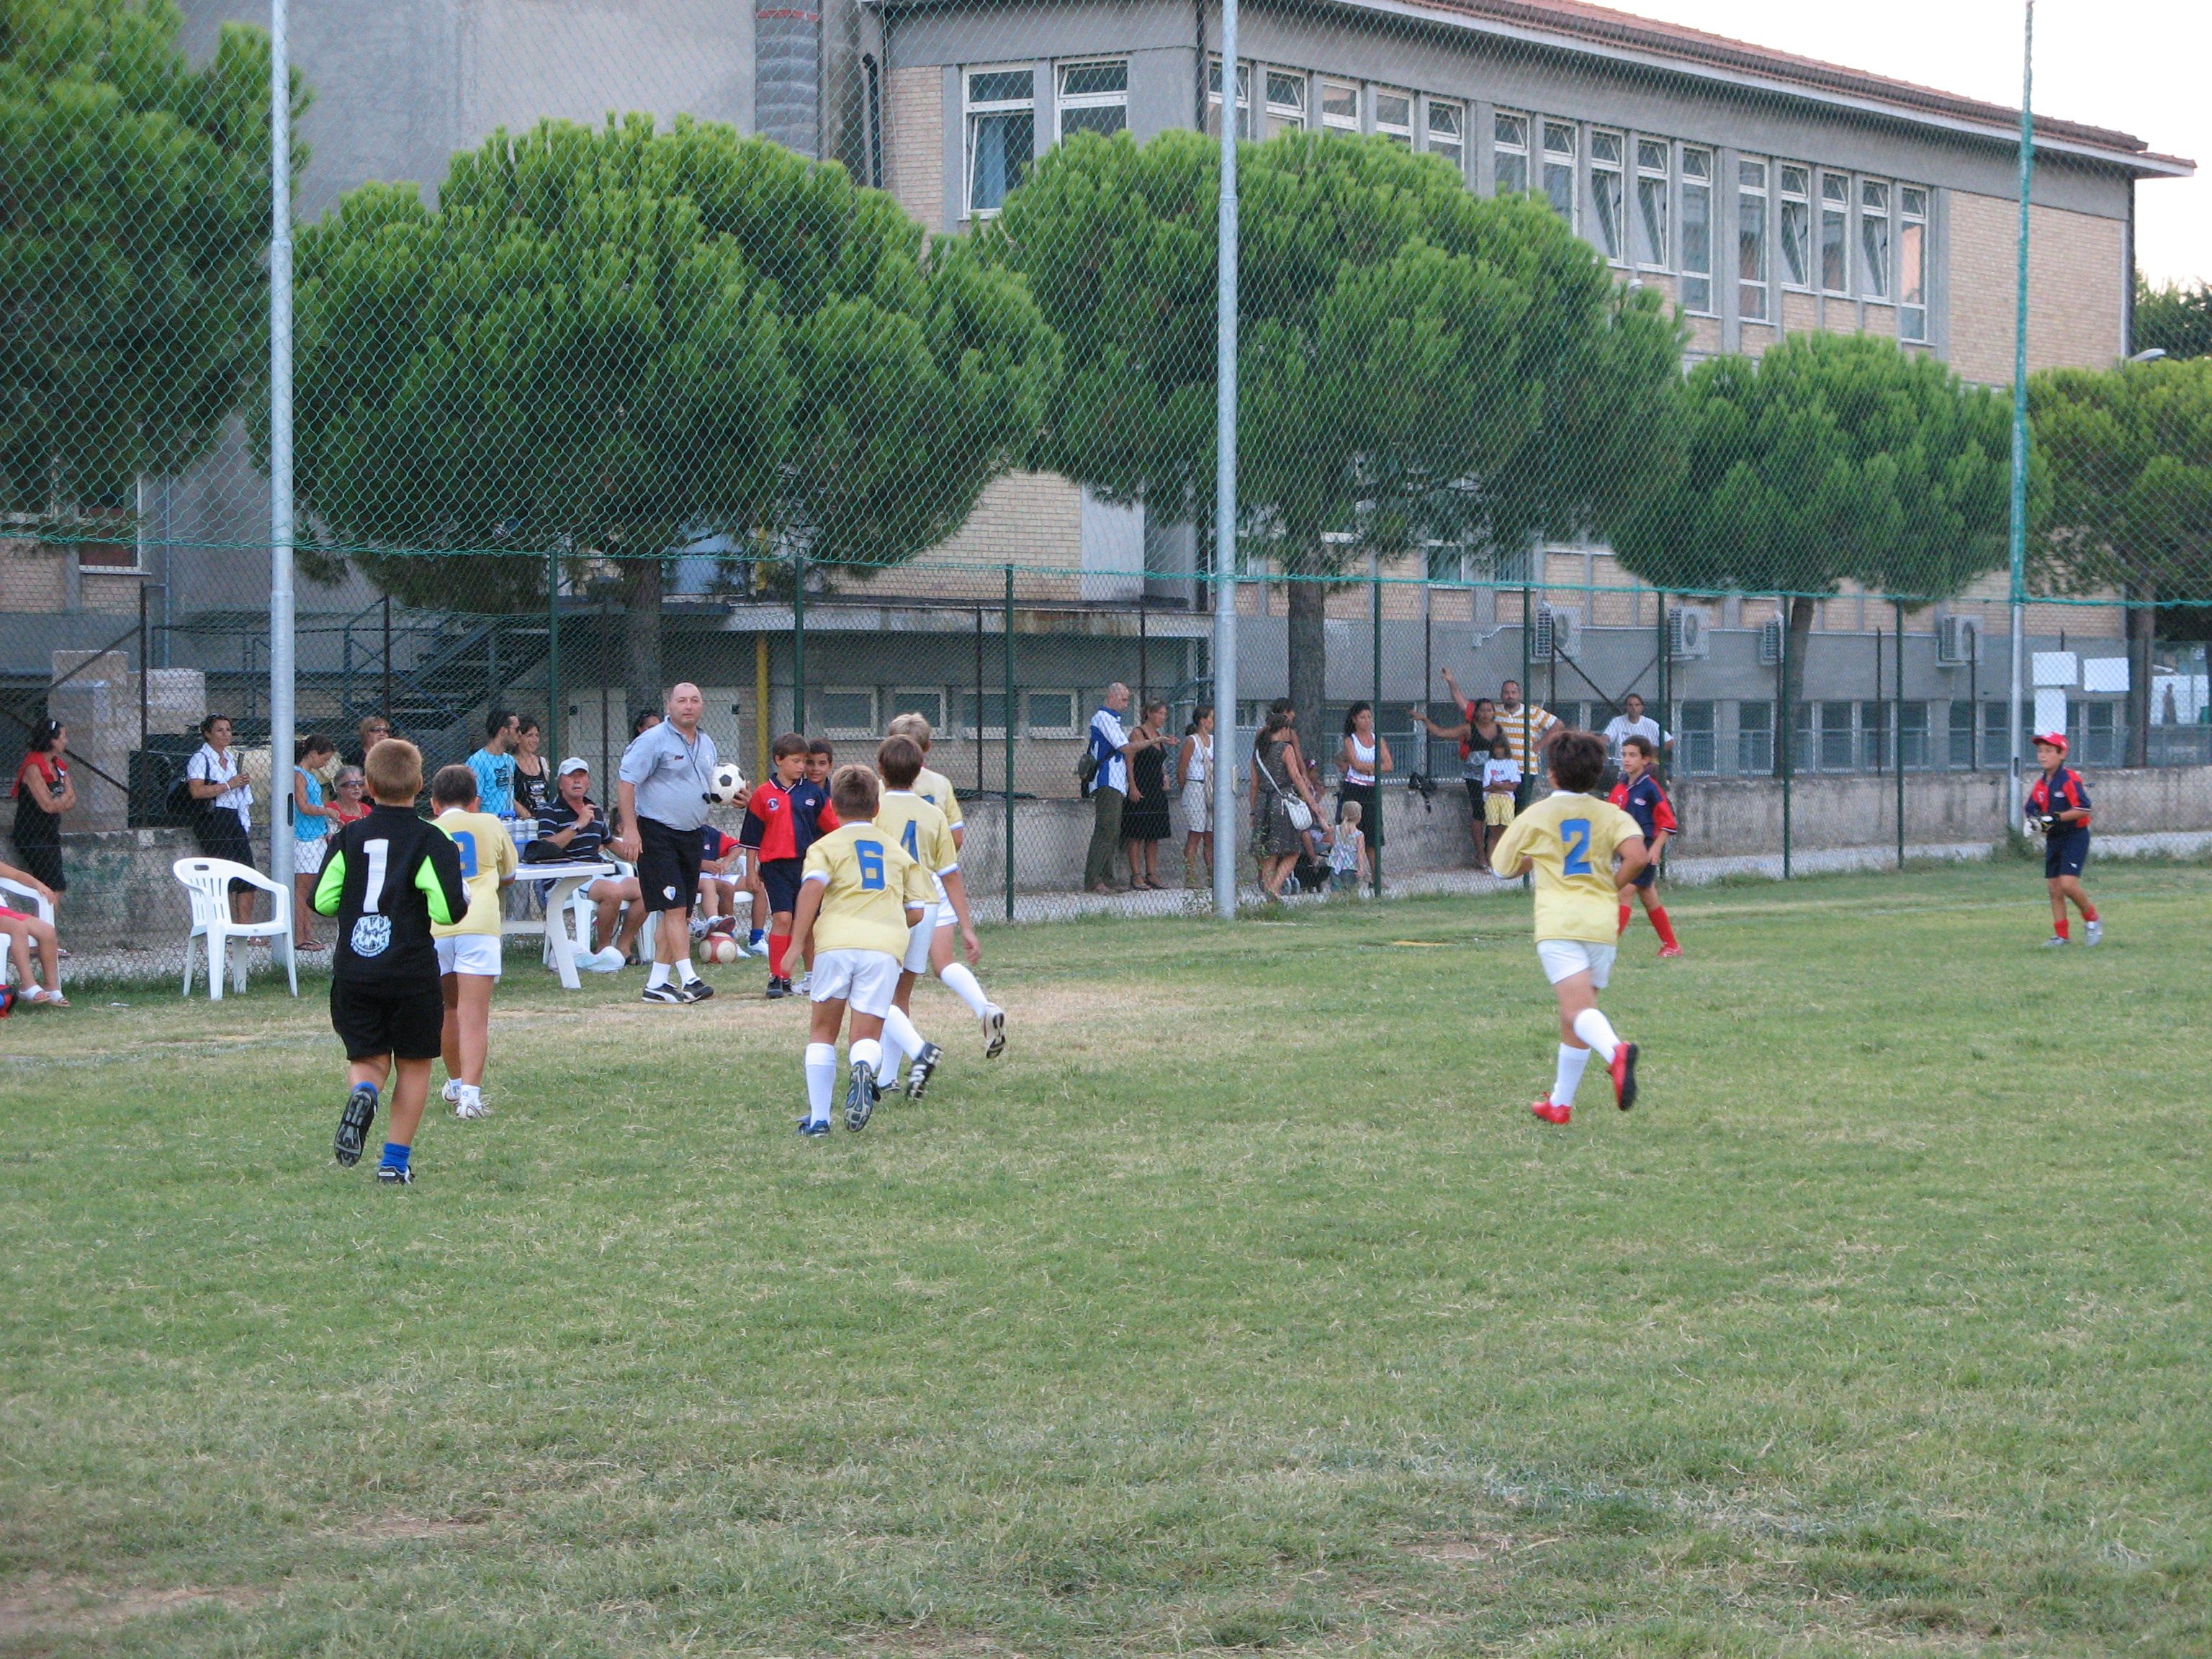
(1006, 728)
(1224, 495)
(798, 642)
(144, 667)
(553, 653)
(1783, 726)
(1374, 652)
(386, 709)
(2018, 537)
(281, 641)
(1897, 724)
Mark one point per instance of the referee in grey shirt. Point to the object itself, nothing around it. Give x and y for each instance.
(663, 782)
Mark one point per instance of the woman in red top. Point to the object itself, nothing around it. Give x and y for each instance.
(44, 791)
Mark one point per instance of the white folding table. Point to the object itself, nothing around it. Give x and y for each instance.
(566, 878)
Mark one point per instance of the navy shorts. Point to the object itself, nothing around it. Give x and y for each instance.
(2065, 855)
(780, 879)
(1646, 876)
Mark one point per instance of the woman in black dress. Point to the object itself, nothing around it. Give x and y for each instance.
(1144, 819)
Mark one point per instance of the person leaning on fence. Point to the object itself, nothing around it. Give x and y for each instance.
(1107, 761)
(44, 791)
(313, 823)
(666, 774)
(224, 822)
(1475, 733)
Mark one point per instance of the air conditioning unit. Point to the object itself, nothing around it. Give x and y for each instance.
(1770, 641)
(1555, 634)
(1689, 635)
(1958, 641)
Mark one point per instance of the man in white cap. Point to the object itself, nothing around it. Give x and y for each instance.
(572, 830)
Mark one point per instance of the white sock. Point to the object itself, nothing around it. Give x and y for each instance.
(821, 1079)
(656, 977)
(900, 1041)
(1594, 1029)
(685, 971)
(1570, 1076)
(470, 1095)
(867, 1052)
(962, 983)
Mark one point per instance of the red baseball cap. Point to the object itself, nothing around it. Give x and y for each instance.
(2056, 739)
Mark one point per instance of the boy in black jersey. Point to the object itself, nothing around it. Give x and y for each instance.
(386, 878)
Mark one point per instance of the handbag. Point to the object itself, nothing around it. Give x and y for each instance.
(1299, 814)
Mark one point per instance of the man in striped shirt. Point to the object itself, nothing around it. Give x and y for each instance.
(1530, 730)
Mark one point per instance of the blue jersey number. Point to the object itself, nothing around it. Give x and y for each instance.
(871, 854)
(466, 844)
(906, 839)
(1575, 836)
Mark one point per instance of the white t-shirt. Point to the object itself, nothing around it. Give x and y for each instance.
(208, 766)
(1107, 734)
(1620, 728)
(1507, 772)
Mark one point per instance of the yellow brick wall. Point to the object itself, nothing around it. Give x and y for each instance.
(1880, 320)
(33, 577)
(1705, 335)
(1032, 521)
(114, 594)
(1757, 336)
(914, 148)
(2076, 287)
(1799, 312)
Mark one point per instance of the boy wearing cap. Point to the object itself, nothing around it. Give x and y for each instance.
(2058, 806)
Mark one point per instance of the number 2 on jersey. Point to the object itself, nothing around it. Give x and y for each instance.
(1575, 839)
(870, 855)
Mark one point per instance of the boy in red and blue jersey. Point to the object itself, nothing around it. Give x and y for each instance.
(2058, 806)
(786, 814)
(1638, 794)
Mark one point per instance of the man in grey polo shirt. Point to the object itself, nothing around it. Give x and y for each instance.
(663, 779)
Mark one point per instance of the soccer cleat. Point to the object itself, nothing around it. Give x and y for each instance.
(994, 1031)
(1551, 1111)
(1624, 1075)
(471, 1107)
(1666, 951)
(925, 1065)
(778, 986)
(391, 1175)
(2054, 942)
(353, 1125)
(813, 1127)
(2094, 932)
(668, 994)
(860, 1096)
(450, 1094)
(697, 989)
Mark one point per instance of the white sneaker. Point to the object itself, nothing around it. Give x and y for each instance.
(606, 961)
(698, 929)
(759, 949)
(2094, 932)
(994, 1031)
(452, 1092)
(803, 984)
(470, 1105)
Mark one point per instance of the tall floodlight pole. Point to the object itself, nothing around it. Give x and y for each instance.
(1224, 491)
(2013, 799)
(280, 709)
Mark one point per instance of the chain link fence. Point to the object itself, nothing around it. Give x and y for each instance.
(860, 361)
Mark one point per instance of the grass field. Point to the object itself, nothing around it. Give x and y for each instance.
(1242, 1305)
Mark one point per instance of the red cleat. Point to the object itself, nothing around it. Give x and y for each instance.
(1624, 1075)
(1551, 1111)
(1670, 950)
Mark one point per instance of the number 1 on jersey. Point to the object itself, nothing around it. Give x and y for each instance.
(1575, 839)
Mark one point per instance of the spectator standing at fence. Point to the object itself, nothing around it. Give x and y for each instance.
(666, 774)
(312, 821)
(1194, 780)
(1531, 730)
(224, 822)
(1633, 722)
(1279, 777)
(493, 763)
(44, 791)
(533, 774)
(1501, 785)
(373, 729)
(1109, 755)
(1362, 758)
(1475, 732)
(1144, 819)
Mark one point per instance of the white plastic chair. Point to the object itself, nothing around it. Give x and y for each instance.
(583, 912)
(208, 881)
(14, 895)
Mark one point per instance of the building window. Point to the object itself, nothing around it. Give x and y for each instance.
(1094, 97)
(1698, 229)
(1797, 227)
(1606, 196)
(1214, 99)
(1339, 106)
(1754, 739)
(1697, 748)
(1001, 134)
(1050, 715)
(1751, 240)
(1874, 238)
(1959, 755)
(1651, 183)
(1508, 153)
(983, 714)
(930, 705)
(1835, 233)
(1560, 167)
(1287, 103)
(846, 711)
(1912, 737)
(1394, 116)
(1912, 264)
(1446, 134)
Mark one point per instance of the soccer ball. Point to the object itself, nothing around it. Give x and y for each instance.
(720, 947)
(726, 783)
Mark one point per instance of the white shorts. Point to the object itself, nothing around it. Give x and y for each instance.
(867, 979)
(1564, 957)
(918, 938)
(1198, 807)
(945, 916)
(307, 855)
(470, 953)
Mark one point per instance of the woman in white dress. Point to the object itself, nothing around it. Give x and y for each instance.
(1195, 775)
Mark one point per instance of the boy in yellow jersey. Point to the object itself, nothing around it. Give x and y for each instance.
(1584, 853)
(923, 834)
(469, 949)
(858, 900)
(953, 902)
